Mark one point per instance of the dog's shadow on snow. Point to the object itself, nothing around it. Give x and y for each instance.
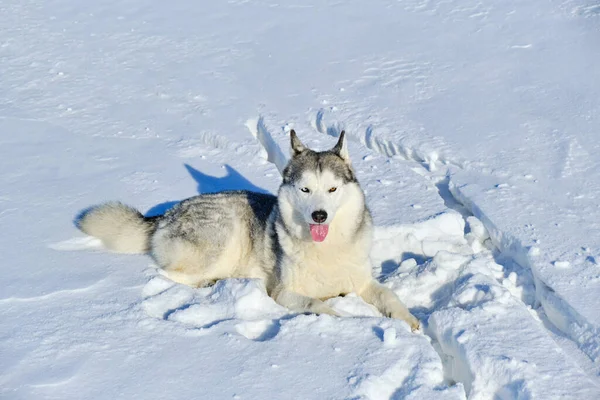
(232, 180)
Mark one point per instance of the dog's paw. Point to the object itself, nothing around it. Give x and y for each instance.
(411, 320)
(407, 317)
(323, 308)
(415, 325)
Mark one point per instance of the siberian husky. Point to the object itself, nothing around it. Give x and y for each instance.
(309, 243)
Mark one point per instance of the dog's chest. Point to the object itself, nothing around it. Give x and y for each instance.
(328, 273)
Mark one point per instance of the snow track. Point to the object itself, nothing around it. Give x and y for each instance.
(428, 160)
(557, 311)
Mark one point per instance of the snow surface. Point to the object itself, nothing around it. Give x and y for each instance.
(473, 128)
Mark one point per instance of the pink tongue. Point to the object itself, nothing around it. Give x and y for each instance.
(319, 232)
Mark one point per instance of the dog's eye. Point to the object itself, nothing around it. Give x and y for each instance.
(305, 190)
(333, 189)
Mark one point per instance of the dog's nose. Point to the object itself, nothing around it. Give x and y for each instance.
(319, 216)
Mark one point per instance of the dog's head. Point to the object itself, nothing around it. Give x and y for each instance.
(317, 186)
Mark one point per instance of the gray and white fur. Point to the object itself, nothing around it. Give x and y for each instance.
(309, 243)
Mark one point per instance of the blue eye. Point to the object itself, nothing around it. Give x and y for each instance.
(305, 190)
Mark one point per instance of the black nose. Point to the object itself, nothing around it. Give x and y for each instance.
(319, 216)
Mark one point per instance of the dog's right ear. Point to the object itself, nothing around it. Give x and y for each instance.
(297, 146)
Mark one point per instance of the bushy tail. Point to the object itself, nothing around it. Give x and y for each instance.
(121, 228)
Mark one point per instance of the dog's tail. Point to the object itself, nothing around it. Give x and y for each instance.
(121, 228)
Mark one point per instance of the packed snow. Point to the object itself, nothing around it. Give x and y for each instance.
(473, 131)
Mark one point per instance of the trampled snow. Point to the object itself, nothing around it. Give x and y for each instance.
(473, 129)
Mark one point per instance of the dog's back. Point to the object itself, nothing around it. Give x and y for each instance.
(200, 240)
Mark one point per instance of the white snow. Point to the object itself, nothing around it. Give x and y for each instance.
(473, 129)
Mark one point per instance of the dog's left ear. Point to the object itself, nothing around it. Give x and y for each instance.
(341, 148)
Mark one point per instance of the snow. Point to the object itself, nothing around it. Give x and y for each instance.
(473, 129)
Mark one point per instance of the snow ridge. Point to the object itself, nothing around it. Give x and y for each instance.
(559, 312)
(272, 150)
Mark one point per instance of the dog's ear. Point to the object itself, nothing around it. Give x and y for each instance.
(341, 148)
(297, 146)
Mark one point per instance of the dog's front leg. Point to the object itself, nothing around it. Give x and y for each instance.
(299, 303)
(386, 301)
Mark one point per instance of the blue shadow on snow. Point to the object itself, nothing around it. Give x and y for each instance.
(232, 180)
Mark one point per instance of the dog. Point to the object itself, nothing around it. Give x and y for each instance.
(309, 243)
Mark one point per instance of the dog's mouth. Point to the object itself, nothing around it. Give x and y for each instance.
(319, 232)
